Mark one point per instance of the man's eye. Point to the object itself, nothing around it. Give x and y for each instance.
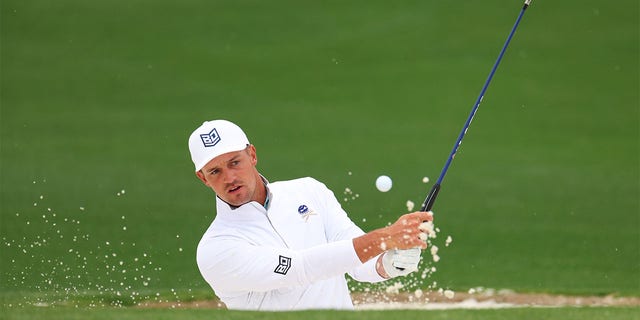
(235, 163)
(212, 172)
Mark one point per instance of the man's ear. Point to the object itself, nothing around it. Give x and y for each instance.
(253, 154)
(200, 176)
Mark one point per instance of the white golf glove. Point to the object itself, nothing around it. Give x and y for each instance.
(398, 263)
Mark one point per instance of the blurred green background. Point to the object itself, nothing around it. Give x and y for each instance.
(98, 98)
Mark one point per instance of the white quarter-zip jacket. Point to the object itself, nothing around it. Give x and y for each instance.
(292, 255)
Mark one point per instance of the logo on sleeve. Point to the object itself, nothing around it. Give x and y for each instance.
(305, 213)
(210, 139)
(283, 266)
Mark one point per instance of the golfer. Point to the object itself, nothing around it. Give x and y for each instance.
(287, 245)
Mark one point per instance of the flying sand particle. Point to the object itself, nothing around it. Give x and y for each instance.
(448, 242)
(410, 205)
(427, 227)
(394, 288)
(449, 294)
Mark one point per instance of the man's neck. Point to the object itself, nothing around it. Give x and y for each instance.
(263, 192)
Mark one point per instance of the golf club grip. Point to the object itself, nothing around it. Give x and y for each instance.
(428, 203)
(431, 198)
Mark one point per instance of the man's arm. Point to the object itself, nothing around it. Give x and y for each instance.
(233, 265)
(340, 227)
(403, 234)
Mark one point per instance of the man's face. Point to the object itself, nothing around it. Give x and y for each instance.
(233, 176)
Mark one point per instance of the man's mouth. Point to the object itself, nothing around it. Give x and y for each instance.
(234, 189)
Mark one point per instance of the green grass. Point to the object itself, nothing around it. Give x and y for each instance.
(159, 314)
(99, 97)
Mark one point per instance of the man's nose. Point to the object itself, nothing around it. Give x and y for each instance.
(228, 176)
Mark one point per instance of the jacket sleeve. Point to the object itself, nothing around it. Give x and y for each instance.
(340, 227)
(233, 265)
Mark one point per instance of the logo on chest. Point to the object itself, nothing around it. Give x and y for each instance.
(305, 212)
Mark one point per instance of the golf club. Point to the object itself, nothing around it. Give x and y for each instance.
(433, 193)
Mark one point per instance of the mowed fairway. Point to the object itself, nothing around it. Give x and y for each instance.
(506, 314)
(98, 199)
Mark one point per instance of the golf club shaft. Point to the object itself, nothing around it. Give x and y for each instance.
(431, 197)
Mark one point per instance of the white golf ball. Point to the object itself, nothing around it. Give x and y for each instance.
(383, 183)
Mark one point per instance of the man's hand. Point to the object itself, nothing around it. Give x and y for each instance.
(396, 263)
(405, 233)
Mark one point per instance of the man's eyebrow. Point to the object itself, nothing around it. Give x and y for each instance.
(216, 167)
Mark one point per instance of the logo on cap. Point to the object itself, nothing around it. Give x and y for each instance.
(210, 139)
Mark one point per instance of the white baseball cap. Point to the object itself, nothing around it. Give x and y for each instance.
(214, 138)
